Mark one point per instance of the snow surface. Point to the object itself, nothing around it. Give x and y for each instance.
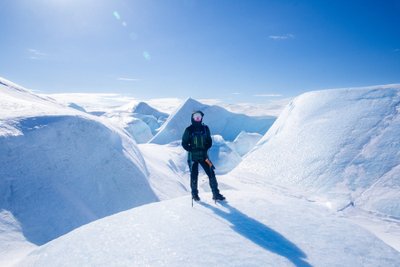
(62, 168)
(137, 128)
(252, 229)
(220, 121)
(139, 119)
(13, 245)
(145, 109)
(245, 142)
(339, 147)
(224, 157)
(167, 166)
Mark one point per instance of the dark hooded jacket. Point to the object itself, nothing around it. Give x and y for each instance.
(197, 139)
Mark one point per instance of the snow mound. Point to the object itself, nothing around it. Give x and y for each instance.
(61, 168)
(145, 109)
(223, 156)
(13, 245)
(337, 146)
(220, 121)
(167, 166)
(151, 116)
(244, 142)
(152, 123)
(137, 128)
(139, 119)
(172, 233)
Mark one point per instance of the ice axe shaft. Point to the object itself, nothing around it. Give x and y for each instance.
(210, 164)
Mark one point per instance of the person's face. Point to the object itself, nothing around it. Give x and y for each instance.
(197, 117)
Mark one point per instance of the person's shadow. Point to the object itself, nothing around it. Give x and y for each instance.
(260, 234)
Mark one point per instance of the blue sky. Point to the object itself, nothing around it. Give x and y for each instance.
(234, 50)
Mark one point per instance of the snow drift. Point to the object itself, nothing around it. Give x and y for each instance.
(245, 142)
(337, 146)
(61, 168)
(168, 171)
(250, 230)
(220, 121)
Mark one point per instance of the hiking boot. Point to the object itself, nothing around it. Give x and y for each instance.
(218, 197)
(196, 197)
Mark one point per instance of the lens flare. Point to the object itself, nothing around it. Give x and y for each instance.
(116, 15)
(146, 55)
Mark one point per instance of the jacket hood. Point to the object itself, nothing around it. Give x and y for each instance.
(195, 122)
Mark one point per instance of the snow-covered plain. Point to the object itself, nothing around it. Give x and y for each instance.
(68, 166)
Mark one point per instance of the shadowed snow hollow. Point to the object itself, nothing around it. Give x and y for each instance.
(339, 146)
(61, 168)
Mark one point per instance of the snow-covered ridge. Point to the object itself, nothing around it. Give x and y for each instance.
(12, 85)
(17, 101)
(62, 168)
(340, 147)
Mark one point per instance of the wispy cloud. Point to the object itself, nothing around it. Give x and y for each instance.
(267, 95)
(281, 37)
(236, 93)
(210, 101)
(397, 50)
(128, 79)
(35, 54)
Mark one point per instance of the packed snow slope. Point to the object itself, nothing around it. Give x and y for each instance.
(340, 146)
(252, 229)
(168, 169)
(220, 121)
(62, 168)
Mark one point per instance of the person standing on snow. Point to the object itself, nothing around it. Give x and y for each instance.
(197, 140)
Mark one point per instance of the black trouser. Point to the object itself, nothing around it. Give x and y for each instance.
(195, 174)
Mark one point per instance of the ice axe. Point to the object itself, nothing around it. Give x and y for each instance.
(210, 164)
